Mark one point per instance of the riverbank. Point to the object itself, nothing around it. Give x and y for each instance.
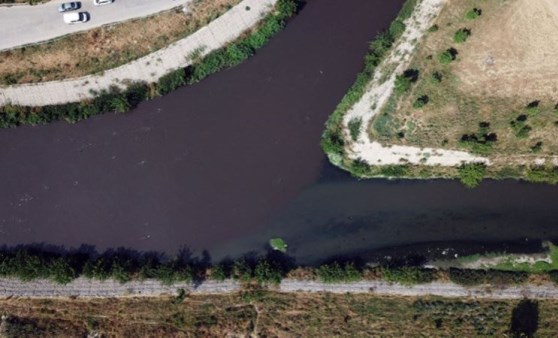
(378, 130)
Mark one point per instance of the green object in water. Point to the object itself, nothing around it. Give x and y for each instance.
(278, 244)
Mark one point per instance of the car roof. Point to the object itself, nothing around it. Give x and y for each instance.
(71, 16)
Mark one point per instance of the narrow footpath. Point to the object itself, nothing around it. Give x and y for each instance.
(87, 288)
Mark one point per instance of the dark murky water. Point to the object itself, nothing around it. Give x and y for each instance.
(228, 163)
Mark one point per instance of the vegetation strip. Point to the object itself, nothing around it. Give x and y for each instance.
(121, 273)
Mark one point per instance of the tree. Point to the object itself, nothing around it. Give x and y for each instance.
(447, 56)
(462, 35)
(402, 84)
(473, 14)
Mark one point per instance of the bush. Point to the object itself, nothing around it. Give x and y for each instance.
(360, 168)
(447, 56)
(334, 273)
(542, 174)
(396, 28)
(461, 35)
(354, 128)
(433, 28)
(469, 277)
(408, 275)
(402, 84)
(472, 174)
(421, 101)
(267, 273)
(473, 14)
(171, 82)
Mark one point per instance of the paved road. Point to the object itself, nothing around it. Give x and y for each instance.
(22, 25)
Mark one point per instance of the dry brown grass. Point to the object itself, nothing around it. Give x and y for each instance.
(271, 314)
(505, 64)
(106, 47)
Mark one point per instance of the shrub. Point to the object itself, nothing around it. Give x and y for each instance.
(533, 107)
(542, 174)
(437, 77)
(421, 101)
(360, 168)
(433, 28)
(218, 273)
(520, 127)
(447, 56)
(394, 170)
(473, 14)
(469, 277)
(461, 35)
(472, 174)
(334, 272)
(396, 28)
(267, 273)
(408, 275)
(354, 128)
(242, 270)
(402, 84)
(332, 142)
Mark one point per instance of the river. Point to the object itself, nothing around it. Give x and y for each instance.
(226, 164)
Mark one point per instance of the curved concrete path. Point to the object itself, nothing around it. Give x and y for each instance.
(23, 25)
(149, 68)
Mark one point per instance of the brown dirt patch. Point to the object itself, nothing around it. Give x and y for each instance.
(106, 47)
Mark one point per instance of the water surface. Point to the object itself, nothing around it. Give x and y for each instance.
(226, 164)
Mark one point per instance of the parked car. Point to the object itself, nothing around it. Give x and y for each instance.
(69, 6)
(102, 2)
(80, 17)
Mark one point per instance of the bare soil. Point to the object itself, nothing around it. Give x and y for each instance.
(270, 314)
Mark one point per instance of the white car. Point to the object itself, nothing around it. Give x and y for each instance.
(102, 2)
(70, 18)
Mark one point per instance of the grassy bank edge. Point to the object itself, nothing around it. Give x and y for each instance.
(471, 175)
(29, 263)
(122, 100)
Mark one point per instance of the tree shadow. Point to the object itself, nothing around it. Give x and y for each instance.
(525, 319)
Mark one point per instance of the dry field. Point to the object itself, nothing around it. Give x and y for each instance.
(106, 47)
(497, 98)
(269, 314)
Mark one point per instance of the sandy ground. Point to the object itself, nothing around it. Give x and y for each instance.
(86, 288)
(379, 92)
(523, 62)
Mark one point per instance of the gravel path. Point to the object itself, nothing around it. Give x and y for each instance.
(149, 68)
(86, 288)
(23, 25)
